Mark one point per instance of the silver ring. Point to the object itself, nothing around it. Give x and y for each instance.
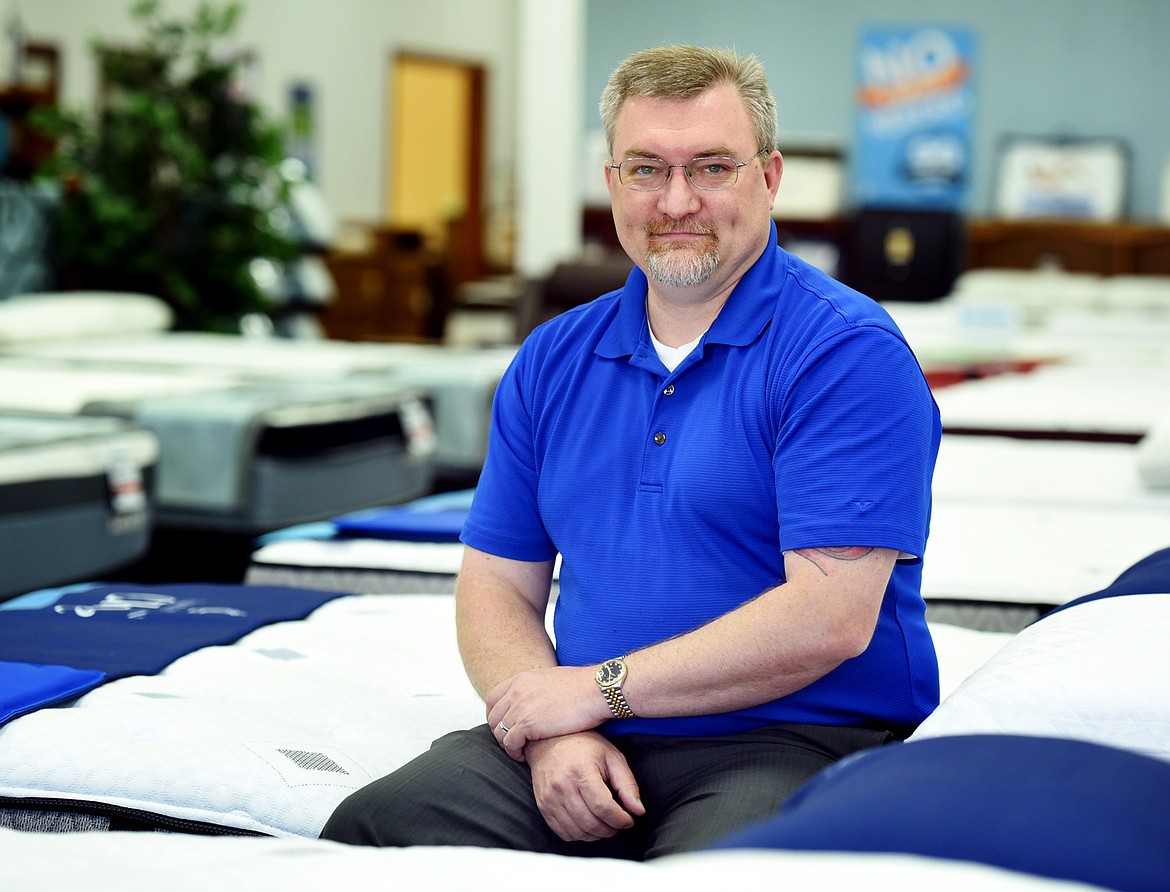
(504, 728)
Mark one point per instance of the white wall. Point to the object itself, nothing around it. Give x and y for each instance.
(341, 48)
(550, 80)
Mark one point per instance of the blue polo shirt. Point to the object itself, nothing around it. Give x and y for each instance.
(801, 420)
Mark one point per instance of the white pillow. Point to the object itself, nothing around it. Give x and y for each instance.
(55, 316)
(1097, 671)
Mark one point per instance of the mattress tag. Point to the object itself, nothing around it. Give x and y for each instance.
(127, 488)
(419, 427)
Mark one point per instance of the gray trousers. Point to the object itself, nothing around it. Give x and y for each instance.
(466, 791)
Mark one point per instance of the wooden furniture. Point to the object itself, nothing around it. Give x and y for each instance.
(1102, 248)
(388, 291)
(37, 88)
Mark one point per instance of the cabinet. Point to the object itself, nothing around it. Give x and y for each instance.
(1107, 249)
(388, 291)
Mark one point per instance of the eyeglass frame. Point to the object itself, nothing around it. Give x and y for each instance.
(686, 169)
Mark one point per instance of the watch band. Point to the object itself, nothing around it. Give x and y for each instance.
(609, 677)
(617, 703)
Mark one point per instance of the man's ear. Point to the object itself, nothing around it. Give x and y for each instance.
(773, 172)
(611, 179)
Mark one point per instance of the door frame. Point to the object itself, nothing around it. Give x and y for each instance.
(465, 238)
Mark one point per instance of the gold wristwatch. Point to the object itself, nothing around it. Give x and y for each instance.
(609, 677)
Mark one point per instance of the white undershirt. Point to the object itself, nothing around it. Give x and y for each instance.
(672, 356)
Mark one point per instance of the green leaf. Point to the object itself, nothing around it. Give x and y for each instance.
(171, 187)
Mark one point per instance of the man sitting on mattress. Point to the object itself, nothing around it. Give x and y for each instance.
(732, 455)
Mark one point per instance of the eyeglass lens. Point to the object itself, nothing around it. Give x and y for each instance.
(648, 174)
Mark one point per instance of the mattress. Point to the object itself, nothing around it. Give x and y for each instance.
(31, 318)
(1053, 757)
(461, 381)
(76, 498)
(991, 566)
(358, 566)
(1043, 472)
(1032, 557)
(264, 735)
(1089, 373)
(249, 456)
(1045, 766)
(413, 547)
(1096, 402)
(1020, 526)
(136, 862)
(981, 336)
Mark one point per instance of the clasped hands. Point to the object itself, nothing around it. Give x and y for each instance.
(541, 703)
(583, 786)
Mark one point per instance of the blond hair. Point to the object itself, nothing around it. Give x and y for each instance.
(683, 72)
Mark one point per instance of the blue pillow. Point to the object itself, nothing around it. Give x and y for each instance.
(1064, 809)
(26, 687)
(404, 524)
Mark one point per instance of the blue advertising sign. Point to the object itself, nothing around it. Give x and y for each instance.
(914, 115)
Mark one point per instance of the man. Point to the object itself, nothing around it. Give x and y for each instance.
(732, 456)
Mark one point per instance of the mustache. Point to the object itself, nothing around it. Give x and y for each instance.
(689, 227)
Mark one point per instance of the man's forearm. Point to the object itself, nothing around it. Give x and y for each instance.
(770, 647)
(765, 649)
(500, 620)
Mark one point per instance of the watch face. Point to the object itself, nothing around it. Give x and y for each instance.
(611, 672)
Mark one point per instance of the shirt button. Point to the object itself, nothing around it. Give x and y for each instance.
(669, 390)
(660, 438)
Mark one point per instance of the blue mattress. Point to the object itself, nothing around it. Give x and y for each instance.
(54, 645)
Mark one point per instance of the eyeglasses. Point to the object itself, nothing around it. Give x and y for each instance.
(710, 172)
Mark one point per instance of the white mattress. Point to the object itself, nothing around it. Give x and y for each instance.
(1098, 671)
(264, 357)
(957, 331)
(88, 482)
(129, 862)
(211, 426)
(28, 319)
(357, 565)
(269, 734)
(34, 447)
(1015, 521)
(368, 554)
(1062, 400)
(39, 387)
(221, 735)
(1035, 554)
(1042, 472)
(372, 563)
(1037, 521)
(460, 381)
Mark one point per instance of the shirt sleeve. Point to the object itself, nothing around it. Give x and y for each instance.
(504, 519)
(856, 446)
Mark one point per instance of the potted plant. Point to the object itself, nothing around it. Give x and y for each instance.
(173, 186)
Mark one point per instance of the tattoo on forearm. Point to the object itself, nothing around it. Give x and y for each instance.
(818, 557)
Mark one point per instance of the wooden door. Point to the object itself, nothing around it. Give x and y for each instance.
(434, 180)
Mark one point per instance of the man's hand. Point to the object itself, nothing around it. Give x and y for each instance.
(584, 787)
(543, 703)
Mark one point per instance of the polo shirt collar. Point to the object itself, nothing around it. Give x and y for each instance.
(747, 312)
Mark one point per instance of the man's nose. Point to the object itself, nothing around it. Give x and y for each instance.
(678, 197)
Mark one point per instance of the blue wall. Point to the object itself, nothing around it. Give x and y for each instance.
(1043, 67)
